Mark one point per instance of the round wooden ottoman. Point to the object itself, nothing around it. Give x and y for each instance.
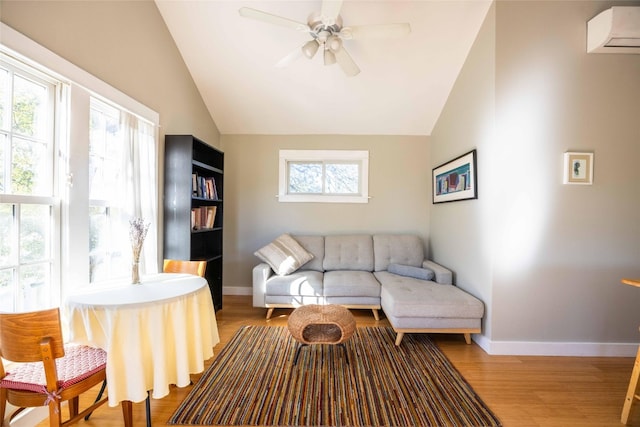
(321, 324)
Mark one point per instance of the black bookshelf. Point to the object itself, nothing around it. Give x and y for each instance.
(193, 206)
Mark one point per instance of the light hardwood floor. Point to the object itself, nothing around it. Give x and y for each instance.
(522, 391)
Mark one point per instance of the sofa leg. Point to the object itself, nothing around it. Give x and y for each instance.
(399, 337)
(269, 313)
(375, 314)
(467, 338)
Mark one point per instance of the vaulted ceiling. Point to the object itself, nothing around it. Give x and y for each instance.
(402, 87)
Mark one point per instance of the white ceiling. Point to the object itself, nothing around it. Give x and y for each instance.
(401, 89)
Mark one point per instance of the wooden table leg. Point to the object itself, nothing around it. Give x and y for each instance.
(127, 413)
(633, 393)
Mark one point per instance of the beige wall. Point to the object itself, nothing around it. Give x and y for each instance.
(399, 181)
(547, 257)
(459, 235)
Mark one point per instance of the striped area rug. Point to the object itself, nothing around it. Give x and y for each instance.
(253, 382)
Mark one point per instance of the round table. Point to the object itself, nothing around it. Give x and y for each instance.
(155, 333)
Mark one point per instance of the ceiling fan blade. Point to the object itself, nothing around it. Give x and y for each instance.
(346, 63)
(376, 31)
(290, 58)
(259, 15)
(329, 11)
(308, 50)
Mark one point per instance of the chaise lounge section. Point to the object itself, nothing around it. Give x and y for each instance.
(419, 306)
(385, 271)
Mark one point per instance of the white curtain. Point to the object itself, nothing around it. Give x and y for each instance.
(139, 192)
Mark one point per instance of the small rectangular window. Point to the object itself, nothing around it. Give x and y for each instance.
(329, 176)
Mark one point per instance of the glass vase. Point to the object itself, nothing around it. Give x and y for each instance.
(135, 273)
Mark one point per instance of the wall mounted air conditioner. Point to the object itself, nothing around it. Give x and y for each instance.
(616, 30)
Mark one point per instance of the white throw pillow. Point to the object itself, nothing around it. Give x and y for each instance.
(284, 255)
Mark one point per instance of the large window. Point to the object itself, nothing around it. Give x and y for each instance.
(121, 164)
(331, 176)
(28, 204)
(78, 161)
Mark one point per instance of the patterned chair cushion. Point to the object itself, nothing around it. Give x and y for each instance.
(79, 362)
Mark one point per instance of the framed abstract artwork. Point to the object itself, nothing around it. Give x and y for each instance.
(456, 179)
(578, 168)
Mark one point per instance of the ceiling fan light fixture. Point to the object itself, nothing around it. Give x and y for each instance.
(329, 57)
(327, 31)
(334, 44)
(310, 48)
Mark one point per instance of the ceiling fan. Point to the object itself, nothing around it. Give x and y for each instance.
(327, 32)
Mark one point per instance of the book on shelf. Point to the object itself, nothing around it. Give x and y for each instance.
(211, 216)
(203, 217)
(204, 187)
(211, 192)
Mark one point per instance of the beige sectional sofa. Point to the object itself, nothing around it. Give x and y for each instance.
(362, 271)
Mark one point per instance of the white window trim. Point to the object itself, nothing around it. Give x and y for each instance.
(323, 155)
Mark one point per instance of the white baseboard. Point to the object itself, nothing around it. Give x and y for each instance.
(531, 348)
(237, 290)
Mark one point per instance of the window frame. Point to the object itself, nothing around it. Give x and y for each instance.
(51, 200)
(72, 222)
(359, 157)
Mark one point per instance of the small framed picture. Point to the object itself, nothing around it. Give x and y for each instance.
(578, 168)
(456, 179)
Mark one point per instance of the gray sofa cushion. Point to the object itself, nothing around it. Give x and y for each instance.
(293, 300)
(397, 249)
(315, 246)
(348, 252)
(347, 283)
(299, 283)
(410, 271)
(408, 297)
(370, 302)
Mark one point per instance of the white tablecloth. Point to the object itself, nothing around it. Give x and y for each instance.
(155, 333)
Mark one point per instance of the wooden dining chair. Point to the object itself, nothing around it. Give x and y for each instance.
(47, 372)
(178, 266)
